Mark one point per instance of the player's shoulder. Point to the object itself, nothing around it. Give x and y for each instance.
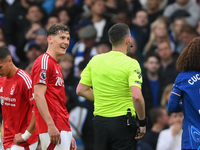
(186, 74)
(42, 62)
(131, 61)
(24, 78)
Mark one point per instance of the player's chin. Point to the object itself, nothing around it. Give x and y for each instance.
(63, 51)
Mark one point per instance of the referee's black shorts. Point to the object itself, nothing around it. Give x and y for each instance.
(112, 133)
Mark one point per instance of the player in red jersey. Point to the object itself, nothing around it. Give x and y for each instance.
(16, 102)
(51, 114)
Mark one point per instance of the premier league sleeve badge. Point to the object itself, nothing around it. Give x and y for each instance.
(43, 75)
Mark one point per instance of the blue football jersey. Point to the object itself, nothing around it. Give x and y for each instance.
(187, 89)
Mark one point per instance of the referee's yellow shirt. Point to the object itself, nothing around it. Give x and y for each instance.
(111, 75)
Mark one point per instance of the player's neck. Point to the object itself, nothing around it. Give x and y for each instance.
(122, 49)
(12, 72)
(53, 54)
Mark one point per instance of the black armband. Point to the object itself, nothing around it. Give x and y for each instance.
(143, 123)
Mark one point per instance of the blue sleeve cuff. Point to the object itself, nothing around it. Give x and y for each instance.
(174, 104)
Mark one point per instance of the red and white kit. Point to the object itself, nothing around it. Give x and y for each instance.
(16, 102)
(46, 71)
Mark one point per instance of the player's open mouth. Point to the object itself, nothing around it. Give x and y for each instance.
(63, 47)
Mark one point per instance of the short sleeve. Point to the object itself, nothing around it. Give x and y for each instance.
(86, 75)
(40, 72)
(134, 74)
(26, 86)
(29, 96)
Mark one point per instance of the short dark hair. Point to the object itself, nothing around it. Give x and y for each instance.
(189, 59)
(153, 54)
(118, 32)
(138, 10)
(164, 41)
(155, 113)
(4, 52)
(188, 29)
(57, 28)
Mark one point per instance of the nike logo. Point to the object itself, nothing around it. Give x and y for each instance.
(57, 71)
(1, 89)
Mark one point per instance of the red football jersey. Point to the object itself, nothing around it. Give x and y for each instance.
(16, 103)
(46, 71)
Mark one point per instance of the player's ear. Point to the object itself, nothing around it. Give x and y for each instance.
(127, 40)
(9, 59)
(49, 39)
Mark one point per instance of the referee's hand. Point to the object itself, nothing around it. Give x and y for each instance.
(142, 131)
(54, 134)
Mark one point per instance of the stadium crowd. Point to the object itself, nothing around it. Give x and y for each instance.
(160, 30)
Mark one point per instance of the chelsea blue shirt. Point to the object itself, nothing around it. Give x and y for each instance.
(187, 89)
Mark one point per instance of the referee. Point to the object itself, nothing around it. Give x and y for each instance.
(116, 91)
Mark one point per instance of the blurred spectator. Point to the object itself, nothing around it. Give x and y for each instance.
(141, 19)
(74, 9)
(163, 4)
(48, 5)
(60, 3)
(75, 31)
(101, 22)
(15, 26)
(158, 33)
(184, 8)
(4, 7)
(165, 95)
(153, 10)
(168, 65)
(29, 68)
(87, 130)
(175, 35)
(111, 6)
(170, 139)
(35, 17)
(40, 39)
(32, 53)
(85, 48)
(132, 6)
(2, 37)
(103, 47)
(188, 34)
(52, 19)
(86, 8)
(198, 28)
(81, 115)
(159, 119)
(67, 62)
(3, 43)
(140, 29)
(64, 15)
(152, 86)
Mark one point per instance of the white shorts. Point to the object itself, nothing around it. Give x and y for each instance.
(16, 147)
(66, 137)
